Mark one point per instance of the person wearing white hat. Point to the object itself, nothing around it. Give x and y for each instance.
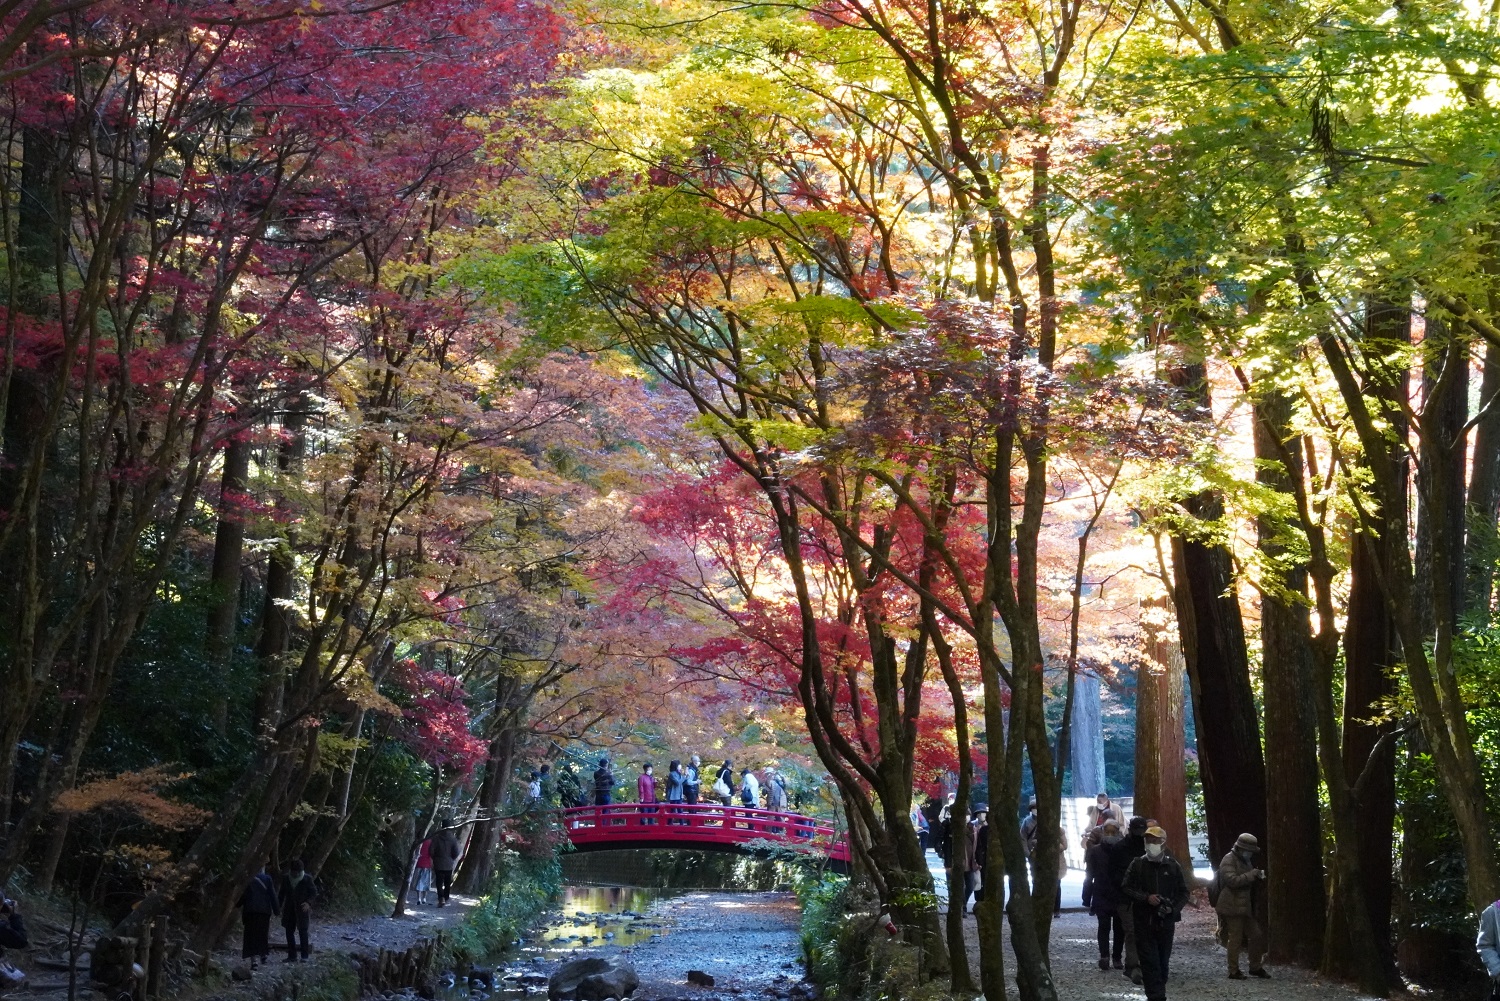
(1239, 893)
(1158, 892)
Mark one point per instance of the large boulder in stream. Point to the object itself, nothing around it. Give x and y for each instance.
(593, 979)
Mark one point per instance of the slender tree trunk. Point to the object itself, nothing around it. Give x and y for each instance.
(1160, 726)
(224, 580)
(1294, 863)
(1482, 543)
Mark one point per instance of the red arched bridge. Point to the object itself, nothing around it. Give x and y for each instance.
(703, 826)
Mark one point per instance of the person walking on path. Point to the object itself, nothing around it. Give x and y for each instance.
(1101, 895)
(1157, 891)
(297, 894)
(423, 883)
(676, 784)
(604, 784)
(749, 789)
(257, 905)
(645, 791)
(1123, 852)
(692, 781)
(445, 852)
(978, 833)
(1488, 944)
(1237, 905)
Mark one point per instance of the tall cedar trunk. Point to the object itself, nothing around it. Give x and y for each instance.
(1086, 737)
(1218, 665)
(1446, 405)
(224, 580)
(1372, 647)
(1160, 726)
(1482, 544)
(1294, 865)
(1213, 647)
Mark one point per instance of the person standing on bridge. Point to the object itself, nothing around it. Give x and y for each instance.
(724, 783)
(645, 791)
(676, 783)
(692, 781)
(604, 784)
(749, 789)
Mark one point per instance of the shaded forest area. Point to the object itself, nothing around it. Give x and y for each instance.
(400, 396)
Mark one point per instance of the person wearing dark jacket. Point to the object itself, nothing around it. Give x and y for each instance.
(1123, 852)
(297, 894)
(1101, 894)
(1157, 891)
(445, 853)
(604, 784)
(979, 846)
(257, 903)
(12, 928)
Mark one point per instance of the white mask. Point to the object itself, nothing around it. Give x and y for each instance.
(1153, 851)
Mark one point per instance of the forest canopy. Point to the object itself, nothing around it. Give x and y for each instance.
(918, 398)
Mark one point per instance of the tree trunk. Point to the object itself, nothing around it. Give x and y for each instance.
(479, 861)
(1372, 647)
(1482, 543)
(1213, 646)
(1160, 727)
(224, 581)
(1086, 737)
(1294, 861)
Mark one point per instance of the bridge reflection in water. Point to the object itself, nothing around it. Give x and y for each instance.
(704, 826)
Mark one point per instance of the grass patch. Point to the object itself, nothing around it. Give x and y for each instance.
(522, 889)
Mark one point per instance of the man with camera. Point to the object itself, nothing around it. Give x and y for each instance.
(1157, 891)
(1240, 885)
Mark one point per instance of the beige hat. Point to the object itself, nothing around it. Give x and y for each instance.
(1246, 842)
(1156, 832)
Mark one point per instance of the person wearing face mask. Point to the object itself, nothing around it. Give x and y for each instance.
(1123, 852)
(1102, 895)
(1157, 891)
(1240, 891)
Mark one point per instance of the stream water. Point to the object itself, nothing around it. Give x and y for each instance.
(746, 939)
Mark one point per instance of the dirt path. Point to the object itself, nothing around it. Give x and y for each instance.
(1199, 969)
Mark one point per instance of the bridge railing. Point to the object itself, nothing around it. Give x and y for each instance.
(700, 822)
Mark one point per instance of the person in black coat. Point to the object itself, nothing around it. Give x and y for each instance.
(1125, 851)
(257, 903)
(1157, 891)
(1101, 894)
(297, 894)
(12, 928)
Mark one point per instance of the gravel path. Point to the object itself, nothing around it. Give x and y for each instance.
(1199, 969)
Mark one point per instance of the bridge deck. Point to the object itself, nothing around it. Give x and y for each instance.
(637, 825)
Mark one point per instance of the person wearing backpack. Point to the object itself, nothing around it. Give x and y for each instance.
(749, 789)
(1239, 882)
(1157, 892)
(1123, 852)
(257, 903)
